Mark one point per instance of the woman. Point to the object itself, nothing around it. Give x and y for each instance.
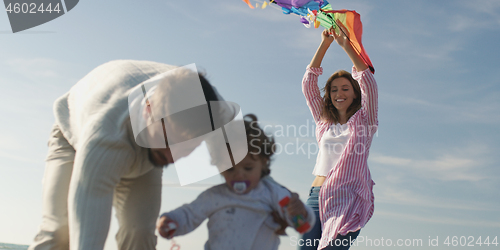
(346, 120)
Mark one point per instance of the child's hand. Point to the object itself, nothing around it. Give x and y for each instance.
(166, 227)
(296, 207)
(282, 222)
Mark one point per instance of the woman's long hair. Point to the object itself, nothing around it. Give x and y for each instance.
(329, 113)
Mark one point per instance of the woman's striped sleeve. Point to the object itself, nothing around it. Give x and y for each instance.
(369, 94)
(311, 91)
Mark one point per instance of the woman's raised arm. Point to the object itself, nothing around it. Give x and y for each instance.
(326, 40)
(344, 42)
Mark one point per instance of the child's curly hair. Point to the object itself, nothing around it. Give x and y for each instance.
(259, 144)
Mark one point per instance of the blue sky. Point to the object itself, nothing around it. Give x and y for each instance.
(434, 158)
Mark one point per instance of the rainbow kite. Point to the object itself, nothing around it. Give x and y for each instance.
(320, 12)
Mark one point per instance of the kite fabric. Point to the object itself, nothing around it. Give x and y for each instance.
(320, 13)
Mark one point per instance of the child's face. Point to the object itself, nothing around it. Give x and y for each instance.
(247, 171)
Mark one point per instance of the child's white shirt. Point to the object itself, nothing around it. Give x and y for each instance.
(242, 222)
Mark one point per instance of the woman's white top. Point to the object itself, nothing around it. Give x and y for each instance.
(331, 147)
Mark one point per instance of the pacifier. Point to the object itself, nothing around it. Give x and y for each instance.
(240, 186)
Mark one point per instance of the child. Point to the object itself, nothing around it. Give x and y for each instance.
(239, 211)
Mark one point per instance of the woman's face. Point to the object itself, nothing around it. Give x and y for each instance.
(247, 171)
(342, 94)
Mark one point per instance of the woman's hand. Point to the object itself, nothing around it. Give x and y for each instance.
(340, 34)
(166, 227)
(326, 40)
(342, 39)
(326, 36)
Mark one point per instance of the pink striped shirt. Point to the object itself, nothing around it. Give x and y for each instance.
(346, 197)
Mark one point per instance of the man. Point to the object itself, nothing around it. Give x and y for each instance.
(95, 159)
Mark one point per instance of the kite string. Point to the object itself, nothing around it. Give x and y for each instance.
(349, 39)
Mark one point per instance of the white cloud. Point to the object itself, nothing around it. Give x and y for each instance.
(20, 158)
(439, 219)
(477, 14)
(483, 6)
(390, 160)
(451, 165)
(9, 141)
(423, 51)
(35, 67)
(480, 110)
(394, 194)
